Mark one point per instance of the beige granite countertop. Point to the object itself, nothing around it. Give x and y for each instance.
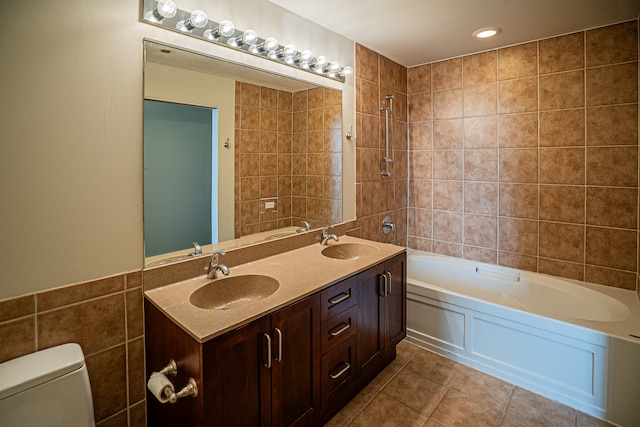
(301, 272)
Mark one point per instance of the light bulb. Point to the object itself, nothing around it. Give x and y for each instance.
(290, 50)
(164, 9)
(334, 66)
(249, 37)
(289, 60)
(347, 71)
(306, 55)
(321, 61)
(270, 44)
(198, 19)
(226, 28)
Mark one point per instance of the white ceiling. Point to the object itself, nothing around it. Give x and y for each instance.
(414, 32)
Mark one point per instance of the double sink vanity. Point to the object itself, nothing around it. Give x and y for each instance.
(287, 339)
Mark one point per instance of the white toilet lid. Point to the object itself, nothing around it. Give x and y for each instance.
(27, 371)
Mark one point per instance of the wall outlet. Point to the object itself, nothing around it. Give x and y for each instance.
(269, 204)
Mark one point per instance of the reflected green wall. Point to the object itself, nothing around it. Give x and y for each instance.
(177, 176)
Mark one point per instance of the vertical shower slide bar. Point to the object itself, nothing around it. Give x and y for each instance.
(388, 119)
(387, 223)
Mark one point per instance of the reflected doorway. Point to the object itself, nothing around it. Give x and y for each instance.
(180, 188)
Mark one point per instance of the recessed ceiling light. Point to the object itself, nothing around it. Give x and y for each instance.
(483, 33)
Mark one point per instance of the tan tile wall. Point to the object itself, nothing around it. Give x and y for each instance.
(106, 318)
(317, 157)
(288, 145)
(527, 156)
(377, 77)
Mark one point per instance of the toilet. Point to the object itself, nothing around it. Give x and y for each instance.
(46, 388)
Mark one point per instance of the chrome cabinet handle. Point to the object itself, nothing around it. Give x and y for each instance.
(278, 358)
(343, 327)
(268, 337)
(385, 282)
(339, 298)
(388, 273)
(342, 371)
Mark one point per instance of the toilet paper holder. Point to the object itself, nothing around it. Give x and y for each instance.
(167, 394)
(170, 369)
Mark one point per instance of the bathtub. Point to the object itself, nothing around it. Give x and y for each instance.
(574, 342)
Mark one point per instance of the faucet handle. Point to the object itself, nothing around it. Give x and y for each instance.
(197, 250)
(214, 255)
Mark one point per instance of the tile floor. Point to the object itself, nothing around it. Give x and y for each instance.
(421, 388)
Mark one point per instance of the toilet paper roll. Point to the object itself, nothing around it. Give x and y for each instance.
(160, 386)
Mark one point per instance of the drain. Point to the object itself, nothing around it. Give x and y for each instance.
(634, 336)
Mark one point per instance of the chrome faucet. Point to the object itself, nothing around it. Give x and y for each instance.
(307, 227)
(326, 236)
(214, 266)
(197, 250)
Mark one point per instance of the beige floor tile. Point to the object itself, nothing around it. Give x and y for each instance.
(437, 368)
(538, 410)
(405, 351)
(456, 409)
(383, 411)
(358, 403)
(584, 420)
(338, 420)
(387, 374)
(482, 387)
(510, 421)
(416, 391)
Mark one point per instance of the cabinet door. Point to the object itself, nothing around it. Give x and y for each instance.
(237, 384)
(295, 332)
(371, 349)
(395, 301)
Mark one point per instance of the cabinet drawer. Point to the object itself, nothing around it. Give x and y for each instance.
(337, 298)
(339, 328)
(338, 372)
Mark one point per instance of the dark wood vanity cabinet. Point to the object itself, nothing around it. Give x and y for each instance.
(297, 366)
(265, 373)
(381, 315)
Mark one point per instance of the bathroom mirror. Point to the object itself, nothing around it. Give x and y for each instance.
(234, 155)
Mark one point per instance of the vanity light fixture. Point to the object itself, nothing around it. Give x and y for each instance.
(165, 14)
(197, 19)
(164, 9)
(486, 32)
